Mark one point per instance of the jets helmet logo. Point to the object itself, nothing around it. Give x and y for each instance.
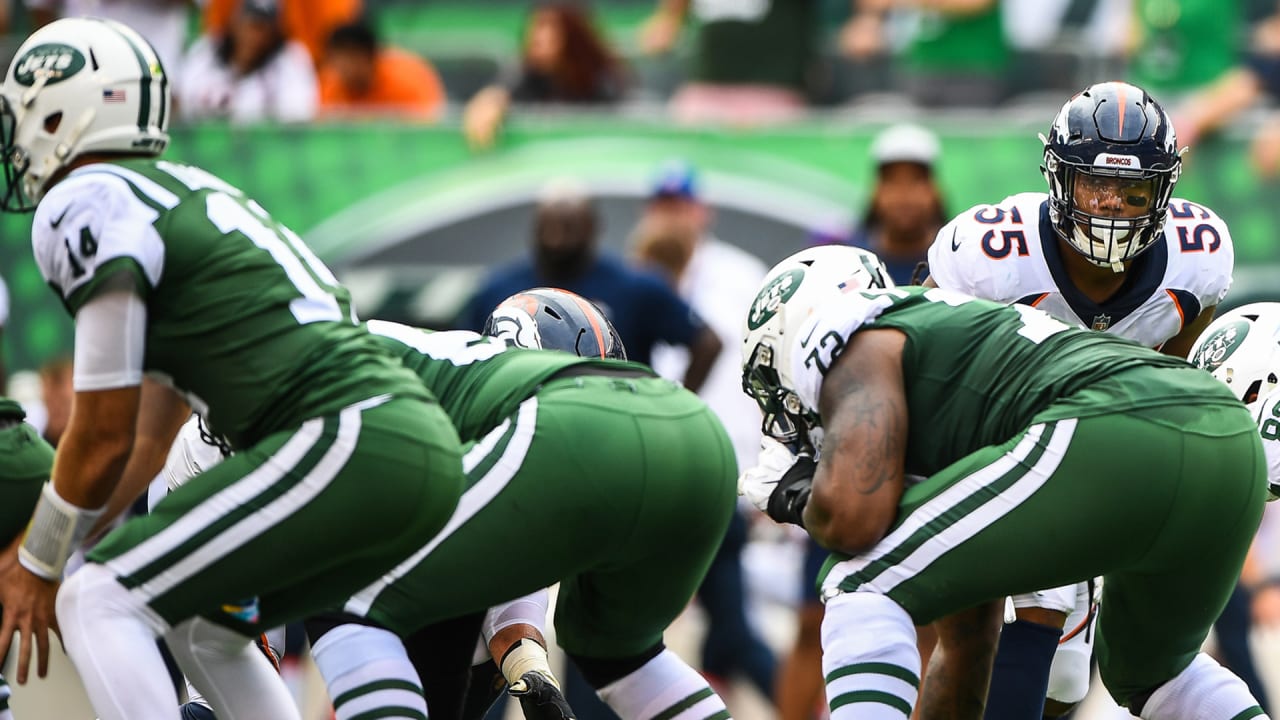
(772, 296)
(54, 60)
(1219, 346)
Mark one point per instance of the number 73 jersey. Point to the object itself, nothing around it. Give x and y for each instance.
(976, 372)
(1010, 253)
(241, 317)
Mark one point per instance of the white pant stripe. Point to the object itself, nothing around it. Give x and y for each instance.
(472, 501)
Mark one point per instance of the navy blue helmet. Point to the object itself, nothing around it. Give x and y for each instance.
(1111, 159)
(555, 319)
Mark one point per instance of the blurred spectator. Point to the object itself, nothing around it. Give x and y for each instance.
(752, 58)
(162, 22)
(719, 281)
(57, 392)
(360, 75)
(957, 54)
(640, 304)
(565, 60)
(906, 209)
(309, 22)
(250, 74)
(1182, 46)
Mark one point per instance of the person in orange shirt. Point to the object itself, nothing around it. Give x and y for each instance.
(310, 22)
(359, 75)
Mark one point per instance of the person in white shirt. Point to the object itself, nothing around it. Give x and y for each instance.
(162, 22)
(251, 74)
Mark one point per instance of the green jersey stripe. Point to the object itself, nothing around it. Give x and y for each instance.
(494, 460)
(375, 686)
(947, 517)
(390, 712)
(871, 696)
(684, 704)
(877, 668)
(722, 715)
(281, 482)
(1252, 712)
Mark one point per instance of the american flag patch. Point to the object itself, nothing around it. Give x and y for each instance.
(112, 96)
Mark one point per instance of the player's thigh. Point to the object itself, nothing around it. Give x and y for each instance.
(1058, 503)
(620, 608)
(550, 493)
(300, 520)
(1156, 612)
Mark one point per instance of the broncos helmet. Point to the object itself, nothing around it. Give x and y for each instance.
(1112, 139)
(788, 296)
(77, 86)
(555, 319)
(1242, 349)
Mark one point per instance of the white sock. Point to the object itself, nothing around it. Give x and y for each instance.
(110, 636)
(1204, 691)
(528, 610)
(869, 658)
(231, 673)
(665, 686)
(353, 658)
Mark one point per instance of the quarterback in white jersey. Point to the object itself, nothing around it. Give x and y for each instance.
(1107, 248)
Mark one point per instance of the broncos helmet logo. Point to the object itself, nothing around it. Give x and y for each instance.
(514, 326)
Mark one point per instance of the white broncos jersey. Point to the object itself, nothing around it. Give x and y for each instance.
(1010, 253)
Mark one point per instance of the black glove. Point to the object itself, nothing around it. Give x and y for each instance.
(539, 699)
(787, 501)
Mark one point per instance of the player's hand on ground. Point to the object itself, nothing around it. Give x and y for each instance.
(757, 484)
(540, 698)
(28, 608)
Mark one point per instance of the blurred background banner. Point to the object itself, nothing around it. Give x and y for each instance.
(411, 217)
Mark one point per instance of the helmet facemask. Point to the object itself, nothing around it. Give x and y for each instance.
(1108, 214)
(785, 418)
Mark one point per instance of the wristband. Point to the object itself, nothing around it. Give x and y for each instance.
(524, 657)
(787, 501)
(57, 528)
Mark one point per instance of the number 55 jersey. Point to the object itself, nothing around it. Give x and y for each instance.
(242, 318)
(1010, 253)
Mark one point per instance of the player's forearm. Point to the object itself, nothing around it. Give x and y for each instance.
(91, 460)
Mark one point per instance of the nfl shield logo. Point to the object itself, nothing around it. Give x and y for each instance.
(1101, 322)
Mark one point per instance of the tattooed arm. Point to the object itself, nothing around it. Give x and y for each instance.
(859, 479)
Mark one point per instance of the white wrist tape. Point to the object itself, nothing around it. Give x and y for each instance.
(56, 530)
(526, 656)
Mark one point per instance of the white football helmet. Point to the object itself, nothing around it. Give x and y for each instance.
(1242, 349)
(788, 296)
(76, 86)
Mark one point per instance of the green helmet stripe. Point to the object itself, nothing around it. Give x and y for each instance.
(144, 83)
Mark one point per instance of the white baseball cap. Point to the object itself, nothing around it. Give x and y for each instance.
(906, 143)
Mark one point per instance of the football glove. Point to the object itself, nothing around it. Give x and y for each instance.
(780, 484)
(539, 698)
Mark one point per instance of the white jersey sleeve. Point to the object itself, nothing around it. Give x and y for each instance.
(1201, 252)
(984, 251)
(1268, 418)
(823, 336)
(90, 225)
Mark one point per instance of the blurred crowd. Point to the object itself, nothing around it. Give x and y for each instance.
(740, 62)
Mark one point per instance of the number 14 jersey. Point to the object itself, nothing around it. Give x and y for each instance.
(241, 317)
(1010, 253)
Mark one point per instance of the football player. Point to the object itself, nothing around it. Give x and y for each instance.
(344, 464)
(25, 462)
(1107, 248)
(1085, 453)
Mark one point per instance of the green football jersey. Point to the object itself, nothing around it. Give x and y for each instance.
(242, 318)
(479, 380)
(977, 372)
